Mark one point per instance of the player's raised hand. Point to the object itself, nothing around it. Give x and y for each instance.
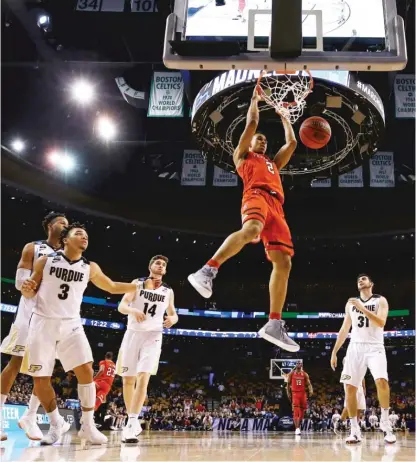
(257, 94)
(356, 303)
(29, 288)
(334, 361)
(139, 315)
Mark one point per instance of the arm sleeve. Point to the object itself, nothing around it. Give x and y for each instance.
(21, 275)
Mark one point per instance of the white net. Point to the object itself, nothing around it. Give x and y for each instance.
(286, 93)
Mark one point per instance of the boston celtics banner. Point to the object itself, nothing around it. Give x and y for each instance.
(353, 179)
(194, 168)
(323, 183)
(223, 178)
(382, 170)
(404, 91)
(166, 95)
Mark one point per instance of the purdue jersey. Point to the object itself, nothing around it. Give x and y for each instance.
(62, 287)
(363, 330)
(26, 305)
(153, 303)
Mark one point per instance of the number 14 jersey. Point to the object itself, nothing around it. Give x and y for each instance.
(363, 330)
(153, 303)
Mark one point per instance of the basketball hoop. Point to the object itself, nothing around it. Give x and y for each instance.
(277, 89)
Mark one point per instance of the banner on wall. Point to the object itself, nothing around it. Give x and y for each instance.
(382, 170)
(353, 179)
(404, 91)
(243, 425)
(194, 168)
(166, 95)
(324, 183)
(224, 178)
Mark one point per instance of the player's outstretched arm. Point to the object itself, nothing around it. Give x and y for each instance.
(250, 129)
(342, 336)
(172, 315)
(31, 285)
(25, 265)
(103, 282)
(286, 151)
(383, 310)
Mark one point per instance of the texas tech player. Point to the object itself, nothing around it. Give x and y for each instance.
(297, 382)
(367, 315)
(59, 282)
(104, 379)
(14, 343)
(140, 350)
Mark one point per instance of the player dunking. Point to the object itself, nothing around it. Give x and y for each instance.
(140, 350)
(262, 215)
(104, 379)
(297, 382)
(59, 282)
(14, 343)
(367, 315)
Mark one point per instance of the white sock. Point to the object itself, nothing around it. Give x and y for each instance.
(34, 404)
(54, 417)
(3, 399)
(88, 417)
(384, 414)
(133, 417)
(354, 423)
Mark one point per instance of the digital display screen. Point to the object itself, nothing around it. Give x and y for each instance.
(361, 19)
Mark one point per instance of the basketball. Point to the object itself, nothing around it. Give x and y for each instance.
(315, 132)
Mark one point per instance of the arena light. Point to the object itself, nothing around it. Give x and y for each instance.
(17, 145)
(62, 161)
(43, 20)
(106, 129)
(82, 91)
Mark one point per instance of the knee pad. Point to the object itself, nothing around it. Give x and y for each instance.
(87, 394)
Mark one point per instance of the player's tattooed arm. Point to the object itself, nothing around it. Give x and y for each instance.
(249, 130)
(25, 265)
(289, 385)
(172, 315)
(383, 310)
(31, 285)
(103, 282)
(286, 151)
(342, 336)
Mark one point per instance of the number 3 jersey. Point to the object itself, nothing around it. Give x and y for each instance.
(62, 287)
(153, 303)
(364, 331)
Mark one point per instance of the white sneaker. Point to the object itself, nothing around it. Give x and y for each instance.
(55, 432)
(202, 280)
(275, 332)
(91, 434)
(389, 436)
(355, 437)
(3, 435)
(129, 433)
(30, 427)
(139, 428)
(297, 431)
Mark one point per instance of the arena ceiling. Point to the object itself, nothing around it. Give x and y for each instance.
(36, 74)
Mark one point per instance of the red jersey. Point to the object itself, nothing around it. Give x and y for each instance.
(258, 171)
(108, 373)
(298, 382)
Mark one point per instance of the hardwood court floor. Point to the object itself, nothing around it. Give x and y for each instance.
(164, 446)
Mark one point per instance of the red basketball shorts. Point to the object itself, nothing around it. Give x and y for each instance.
(103, 389)
(262, 206)
(299, 400)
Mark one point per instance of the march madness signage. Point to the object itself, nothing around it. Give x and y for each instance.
(404, 91)
(166, 95)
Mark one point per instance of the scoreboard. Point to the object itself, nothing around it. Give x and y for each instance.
(117, 6)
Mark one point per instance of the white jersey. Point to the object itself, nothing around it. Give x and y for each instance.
(62, 287)
(336, 417)
(153, 303)
(363, 330)
(373, 419)
(26, 305)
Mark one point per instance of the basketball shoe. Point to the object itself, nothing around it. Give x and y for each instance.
(202, 280)
(355, 436)
(29, 425)
(275, 332)
(90, 433)
(386, 428)
(55, 432)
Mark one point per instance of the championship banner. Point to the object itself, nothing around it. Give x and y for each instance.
(382, 170)
(166, 95)
(224, 178)
(244, 425)
(404, 91)
(353, 179)
(194, 168)
(324, 183)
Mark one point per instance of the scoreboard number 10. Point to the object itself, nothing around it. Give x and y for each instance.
(143, 6)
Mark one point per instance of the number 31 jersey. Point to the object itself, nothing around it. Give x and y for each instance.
(62, 287)
(363, 330)
(153, 303)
